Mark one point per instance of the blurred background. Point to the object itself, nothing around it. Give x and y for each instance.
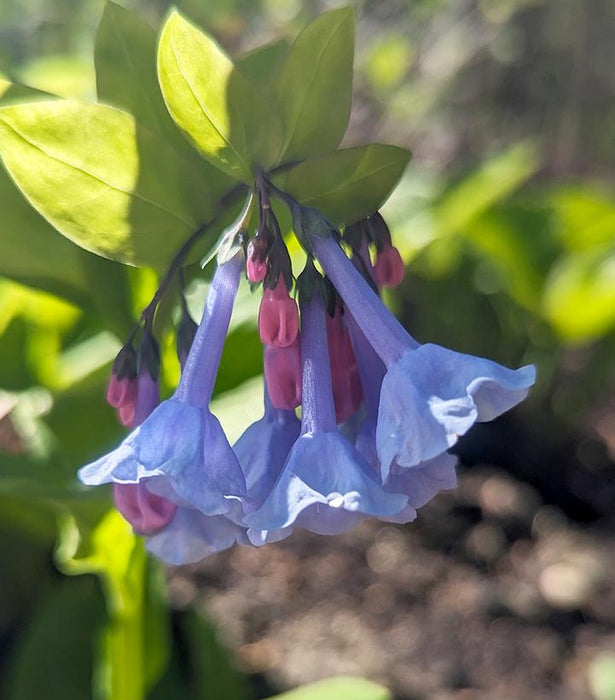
(506, 219)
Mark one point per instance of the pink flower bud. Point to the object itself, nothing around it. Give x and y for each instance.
(146, 512)
(283, 376)
(120, 391)
(256, 270)
(278, 317)
(347, 392)
(126, 413)
(389, 267)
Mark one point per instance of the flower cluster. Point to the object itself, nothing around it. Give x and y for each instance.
(378, 410)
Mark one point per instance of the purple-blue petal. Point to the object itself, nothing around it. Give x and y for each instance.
(185, 447)
(324, 469)
(432, 395)
(192, 536)
(262, 451)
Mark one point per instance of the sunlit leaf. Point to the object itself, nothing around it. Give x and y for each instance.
(348, 184)
(338, 689)
(111, 551)
(125, 59)
(225, 116)
(100, 179)
(314, 88)
(579, 295)
(493, 181)
(586, 216)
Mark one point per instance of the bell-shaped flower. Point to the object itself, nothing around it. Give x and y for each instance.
(278, 316)
(325, 485)
(263, 448)
(192, 536)
(181, 448)
(146, 512)
(430, 395)
(419, 483)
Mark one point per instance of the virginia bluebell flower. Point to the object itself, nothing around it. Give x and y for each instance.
(430, 395)
(263, 448)
(325, 486)
(419, 483)
(181, 449)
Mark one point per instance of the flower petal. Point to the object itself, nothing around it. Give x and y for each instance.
(192, 536)
(324, 469)
(184, 444)
(432, 395)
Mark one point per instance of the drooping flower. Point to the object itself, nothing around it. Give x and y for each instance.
(421, 482)
(430, 395)
(181, 449)
(263, 448)
(325, 486)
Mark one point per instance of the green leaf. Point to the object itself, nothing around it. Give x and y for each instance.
(495, 180)
(586, 216)
(579, 295)
(261, 65)
(338, 689)
(54, 656)
(314, 89)
(125, 60)
(134, 650)
(225, 116)
(348, 184)
(101, 180)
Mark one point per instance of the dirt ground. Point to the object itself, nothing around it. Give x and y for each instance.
(490, 593)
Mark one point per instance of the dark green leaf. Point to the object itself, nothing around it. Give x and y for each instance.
(261, 65)
(348, 184)
(54, 656)
(314, 88)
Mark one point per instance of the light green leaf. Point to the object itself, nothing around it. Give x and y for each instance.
(348, 184)
(261, 65)
(586, 216)
(225, 116)
(101, 180)
(31, 251)
(314, 89)
(338, 689)
(125, 59)
(579, 295)
(495, 180)
(134, 651)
